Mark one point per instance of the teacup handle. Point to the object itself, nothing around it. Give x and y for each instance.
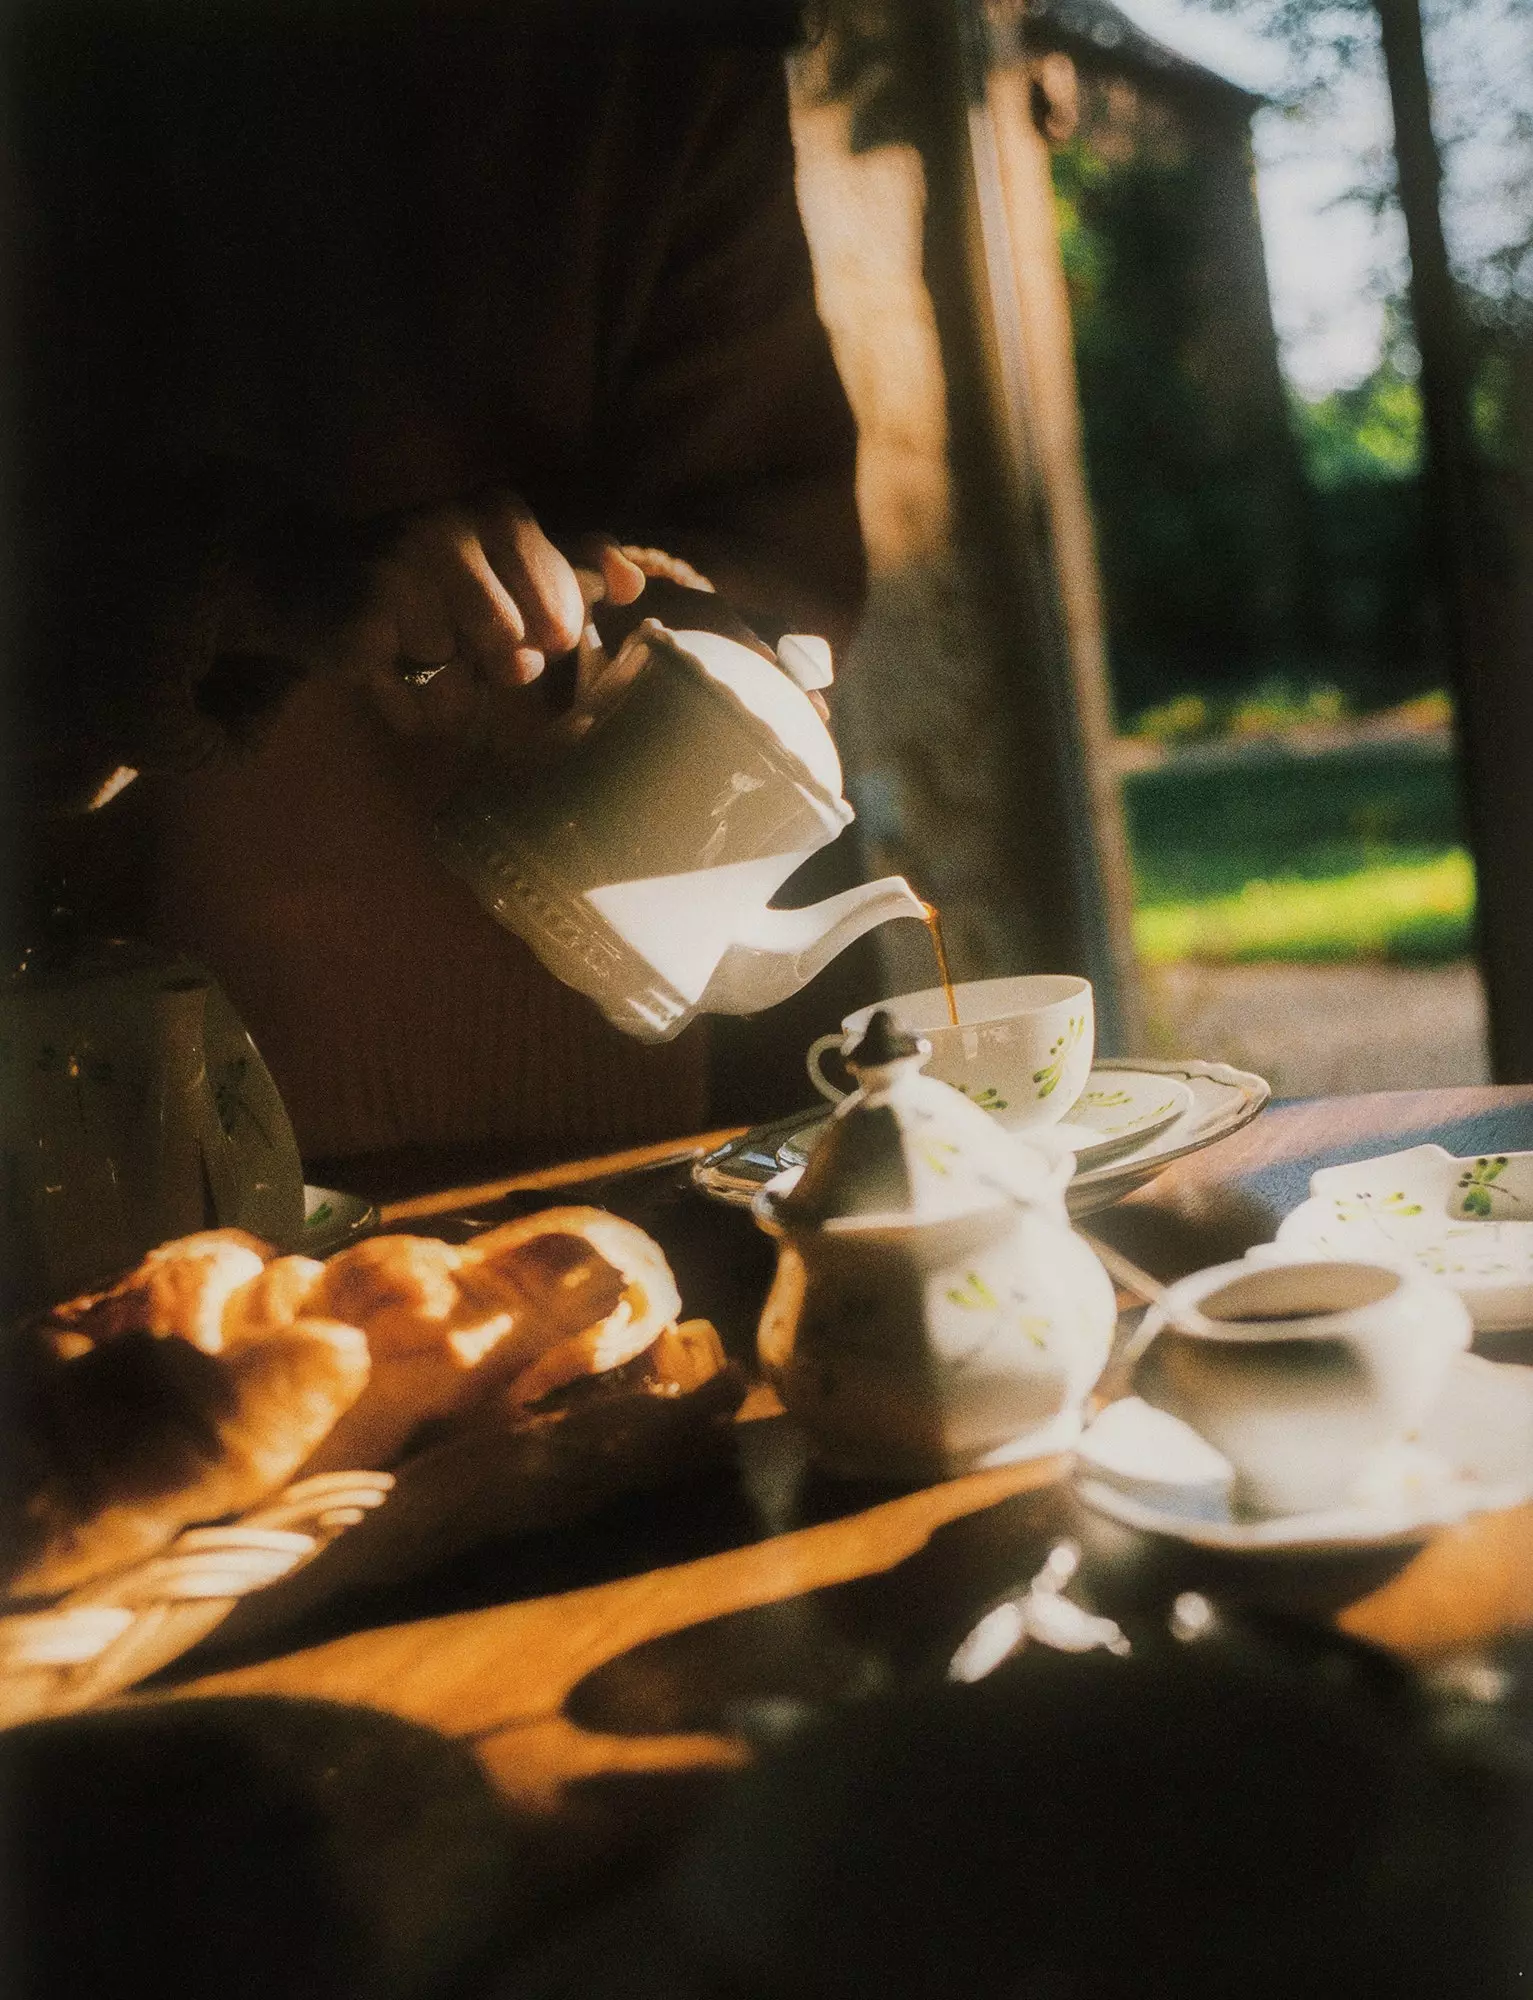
(817, 1076)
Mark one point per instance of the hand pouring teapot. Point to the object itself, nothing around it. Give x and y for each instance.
(639, 868)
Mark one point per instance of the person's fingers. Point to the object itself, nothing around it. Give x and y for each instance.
(537, 575)
(422, 625)
(657, 563)
(367, 655)
(451, 701)
(622, 576)
(606, 574)
(398, 704)
(486, 614)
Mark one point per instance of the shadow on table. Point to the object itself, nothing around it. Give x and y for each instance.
(761, 1671)
(1266, 1809)
(254, 1848)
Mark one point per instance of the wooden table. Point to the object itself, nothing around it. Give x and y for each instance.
(605, 1676)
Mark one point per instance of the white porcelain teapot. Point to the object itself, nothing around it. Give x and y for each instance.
(641, 865)
(932, 1311)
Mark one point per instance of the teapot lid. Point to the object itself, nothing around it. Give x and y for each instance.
(906, 1148)
(769, 695)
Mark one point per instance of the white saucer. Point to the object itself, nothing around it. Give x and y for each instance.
(1221, 1101)
(1474, 1456)
(1468, 1223)
(1119, 1109)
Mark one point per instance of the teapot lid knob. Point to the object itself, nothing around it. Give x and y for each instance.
(884, 1041)
(806, 660)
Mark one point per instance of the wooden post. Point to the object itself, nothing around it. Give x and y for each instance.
(1002, 316)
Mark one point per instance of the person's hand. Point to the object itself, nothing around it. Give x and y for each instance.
(469, 603)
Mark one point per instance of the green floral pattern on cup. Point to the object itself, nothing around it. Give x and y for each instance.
(986, 1096)
(1047, 1078)
(974, 1295)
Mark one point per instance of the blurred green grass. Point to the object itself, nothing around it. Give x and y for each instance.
(1247, 852)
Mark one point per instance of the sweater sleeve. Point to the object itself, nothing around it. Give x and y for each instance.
(732, 436)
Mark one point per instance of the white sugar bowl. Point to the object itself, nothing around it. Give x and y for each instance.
(1301, 1373)
(932, 1311)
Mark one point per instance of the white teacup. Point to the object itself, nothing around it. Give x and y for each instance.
(1021, 1051)
(1301, 1374)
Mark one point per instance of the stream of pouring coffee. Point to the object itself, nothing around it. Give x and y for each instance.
(932, 917)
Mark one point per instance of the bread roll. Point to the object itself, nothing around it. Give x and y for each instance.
(120, 1446)
(534, 1304)
(270, 1302)
(180, 1288)
(402, 1289)
(589, 1291)
(215, 1371)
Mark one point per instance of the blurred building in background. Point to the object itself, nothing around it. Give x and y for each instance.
(1195, 478)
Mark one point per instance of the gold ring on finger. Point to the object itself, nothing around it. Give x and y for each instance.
(421, 673)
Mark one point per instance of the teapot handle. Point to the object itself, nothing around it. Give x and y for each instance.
(818, 1049)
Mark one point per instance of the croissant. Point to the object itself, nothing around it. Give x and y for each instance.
(513, 1314)
(121, 1443)
(215, 1371)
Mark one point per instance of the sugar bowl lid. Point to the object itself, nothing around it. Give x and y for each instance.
(906, 1148)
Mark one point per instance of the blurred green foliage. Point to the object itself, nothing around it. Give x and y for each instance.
(1371, 432)
(1206, 823)
(1401, 909)
(1249, 542)
(1258, 852)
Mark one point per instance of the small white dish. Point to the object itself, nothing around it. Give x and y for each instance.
(1154, 1473)
(1466, 1222)
(1116, 1110)
(331, 1220)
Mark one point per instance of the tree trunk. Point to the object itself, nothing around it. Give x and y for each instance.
(1495, 725)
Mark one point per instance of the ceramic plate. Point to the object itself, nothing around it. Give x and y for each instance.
(1474, 1455)
(1220, 1101)
(331, 1220)
(1119, 1109)
(1467, 1222)
(1116, 1110)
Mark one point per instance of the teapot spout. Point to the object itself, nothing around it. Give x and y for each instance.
(780, 951)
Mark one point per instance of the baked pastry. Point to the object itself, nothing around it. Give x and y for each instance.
(180, 1288)
(516, 1313)
(119, 1444)
(590, 1290)
(214, 1372)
